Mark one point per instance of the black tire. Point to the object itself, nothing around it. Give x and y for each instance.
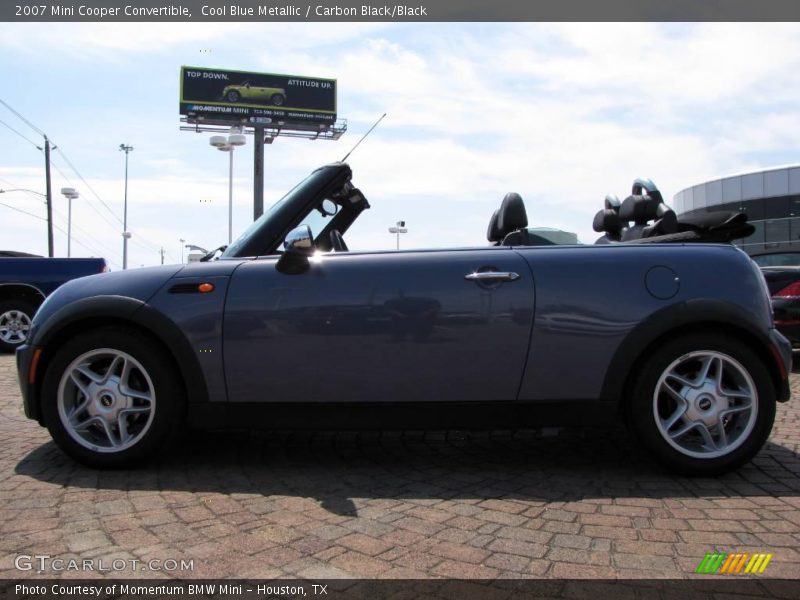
(168, 407)
(233, 96)
(278, 99)
(640, 407)
(14, 339)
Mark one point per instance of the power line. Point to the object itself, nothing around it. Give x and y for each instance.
(77, 241)
(91, 248)
(91, 189)
(89, 202)
(63, 154)
(142, 241)
(31, 142)
(60, 215)
(136, 237)
(23, 119)
(30, 193)
(24, 212)
(61, 229)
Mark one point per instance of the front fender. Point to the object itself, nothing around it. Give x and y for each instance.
(100, 311)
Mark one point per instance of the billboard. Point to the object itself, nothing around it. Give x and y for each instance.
(220, 96)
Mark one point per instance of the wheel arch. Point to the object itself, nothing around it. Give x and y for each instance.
(26, 291)
(704, 316)
(108, 311)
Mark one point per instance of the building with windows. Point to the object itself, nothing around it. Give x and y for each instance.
(771, 200)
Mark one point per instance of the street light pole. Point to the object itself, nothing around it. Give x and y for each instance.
(69, 194)
(125, 235)
(182, 241)
(227, 144)
(400, 227)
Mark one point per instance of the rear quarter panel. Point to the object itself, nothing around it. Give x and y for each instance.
(591, 300)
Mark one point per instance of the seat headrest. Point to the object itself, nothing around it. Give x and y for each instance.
(612, 202)
(512, 214)
(607, 220)
(643, 184)
(493, 234)
(667, 219)
(639, 209)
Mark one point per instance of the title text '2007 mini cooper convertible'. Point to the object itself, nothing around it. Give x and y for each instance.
(288, 328)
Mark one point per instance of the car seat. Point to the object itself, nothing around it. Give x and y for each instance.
(512, 221)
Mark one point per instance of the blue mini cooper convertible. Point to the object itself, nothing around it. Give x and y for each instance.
(290, 329)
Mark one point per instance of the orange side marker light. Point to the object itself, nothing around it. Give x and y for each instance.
(34, 363)
(205, 288)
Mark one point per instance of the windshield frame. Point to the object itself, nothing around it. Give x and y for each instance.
(265, 235)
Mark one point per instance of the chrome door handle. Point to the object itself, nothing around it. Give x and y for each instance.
(491, 276)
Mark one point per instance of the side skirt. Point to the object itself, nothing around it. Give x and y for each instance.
(400, 416)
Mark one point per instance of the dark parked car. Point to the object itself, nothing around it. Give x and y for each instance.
(290, 329)
(784, 286)
(25, 281)
(782, 272)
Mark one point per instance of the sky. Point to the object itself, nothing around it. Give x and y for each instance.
(563, 114)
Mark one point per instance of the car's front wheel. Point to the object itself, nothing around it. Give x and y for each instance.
(15, 323)
(111, 398)
(233, 96)
(703, 404)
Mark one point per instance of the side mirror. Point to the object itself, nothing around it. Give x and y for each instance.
(298, 247)
(299, 241)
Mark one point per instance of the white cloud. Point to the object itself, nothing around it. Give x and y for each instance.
(561, 113)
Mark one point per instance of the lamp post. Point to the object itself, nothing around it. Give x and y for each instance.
(23, 190)
(70, 194)
(400, 227)
(125, 233)
(227, 144)
(182, 241)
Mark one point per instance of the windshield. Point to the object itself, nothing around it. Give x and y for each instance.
(300, 188)
(316, 220)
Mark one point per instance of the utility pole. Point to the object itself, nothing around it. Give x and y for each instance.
(125, 234)
(182, 241)
(162, 255)
(48, 197)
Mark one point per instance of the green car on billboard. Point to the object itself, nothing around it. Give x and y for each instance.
(245, 91)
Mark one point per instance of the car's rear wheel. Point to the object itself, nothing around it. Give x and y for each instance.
(277, 99)
(15, 323)
(233, 96)
(111, 398)
(703, 404)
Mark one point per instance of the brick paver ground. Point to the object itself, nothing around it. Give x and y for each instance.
(582, 503)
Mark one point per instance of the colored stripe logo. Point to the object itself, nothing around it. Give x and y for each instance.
(734, 564)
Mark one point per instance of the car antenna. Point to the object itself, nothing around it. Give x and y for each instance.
(363, 137)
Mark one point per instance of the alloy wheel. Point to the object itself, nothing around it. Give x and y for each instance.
(705, 404)
(14, 327)
(106, 400)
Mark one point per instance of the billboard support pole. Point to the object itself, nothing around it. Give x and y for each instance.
(258, 173)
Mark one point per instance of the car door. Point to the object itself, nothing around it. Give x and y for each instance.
(450, 325)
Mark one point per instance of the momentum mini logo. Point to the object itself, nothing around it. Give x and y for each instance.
(734, 564)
